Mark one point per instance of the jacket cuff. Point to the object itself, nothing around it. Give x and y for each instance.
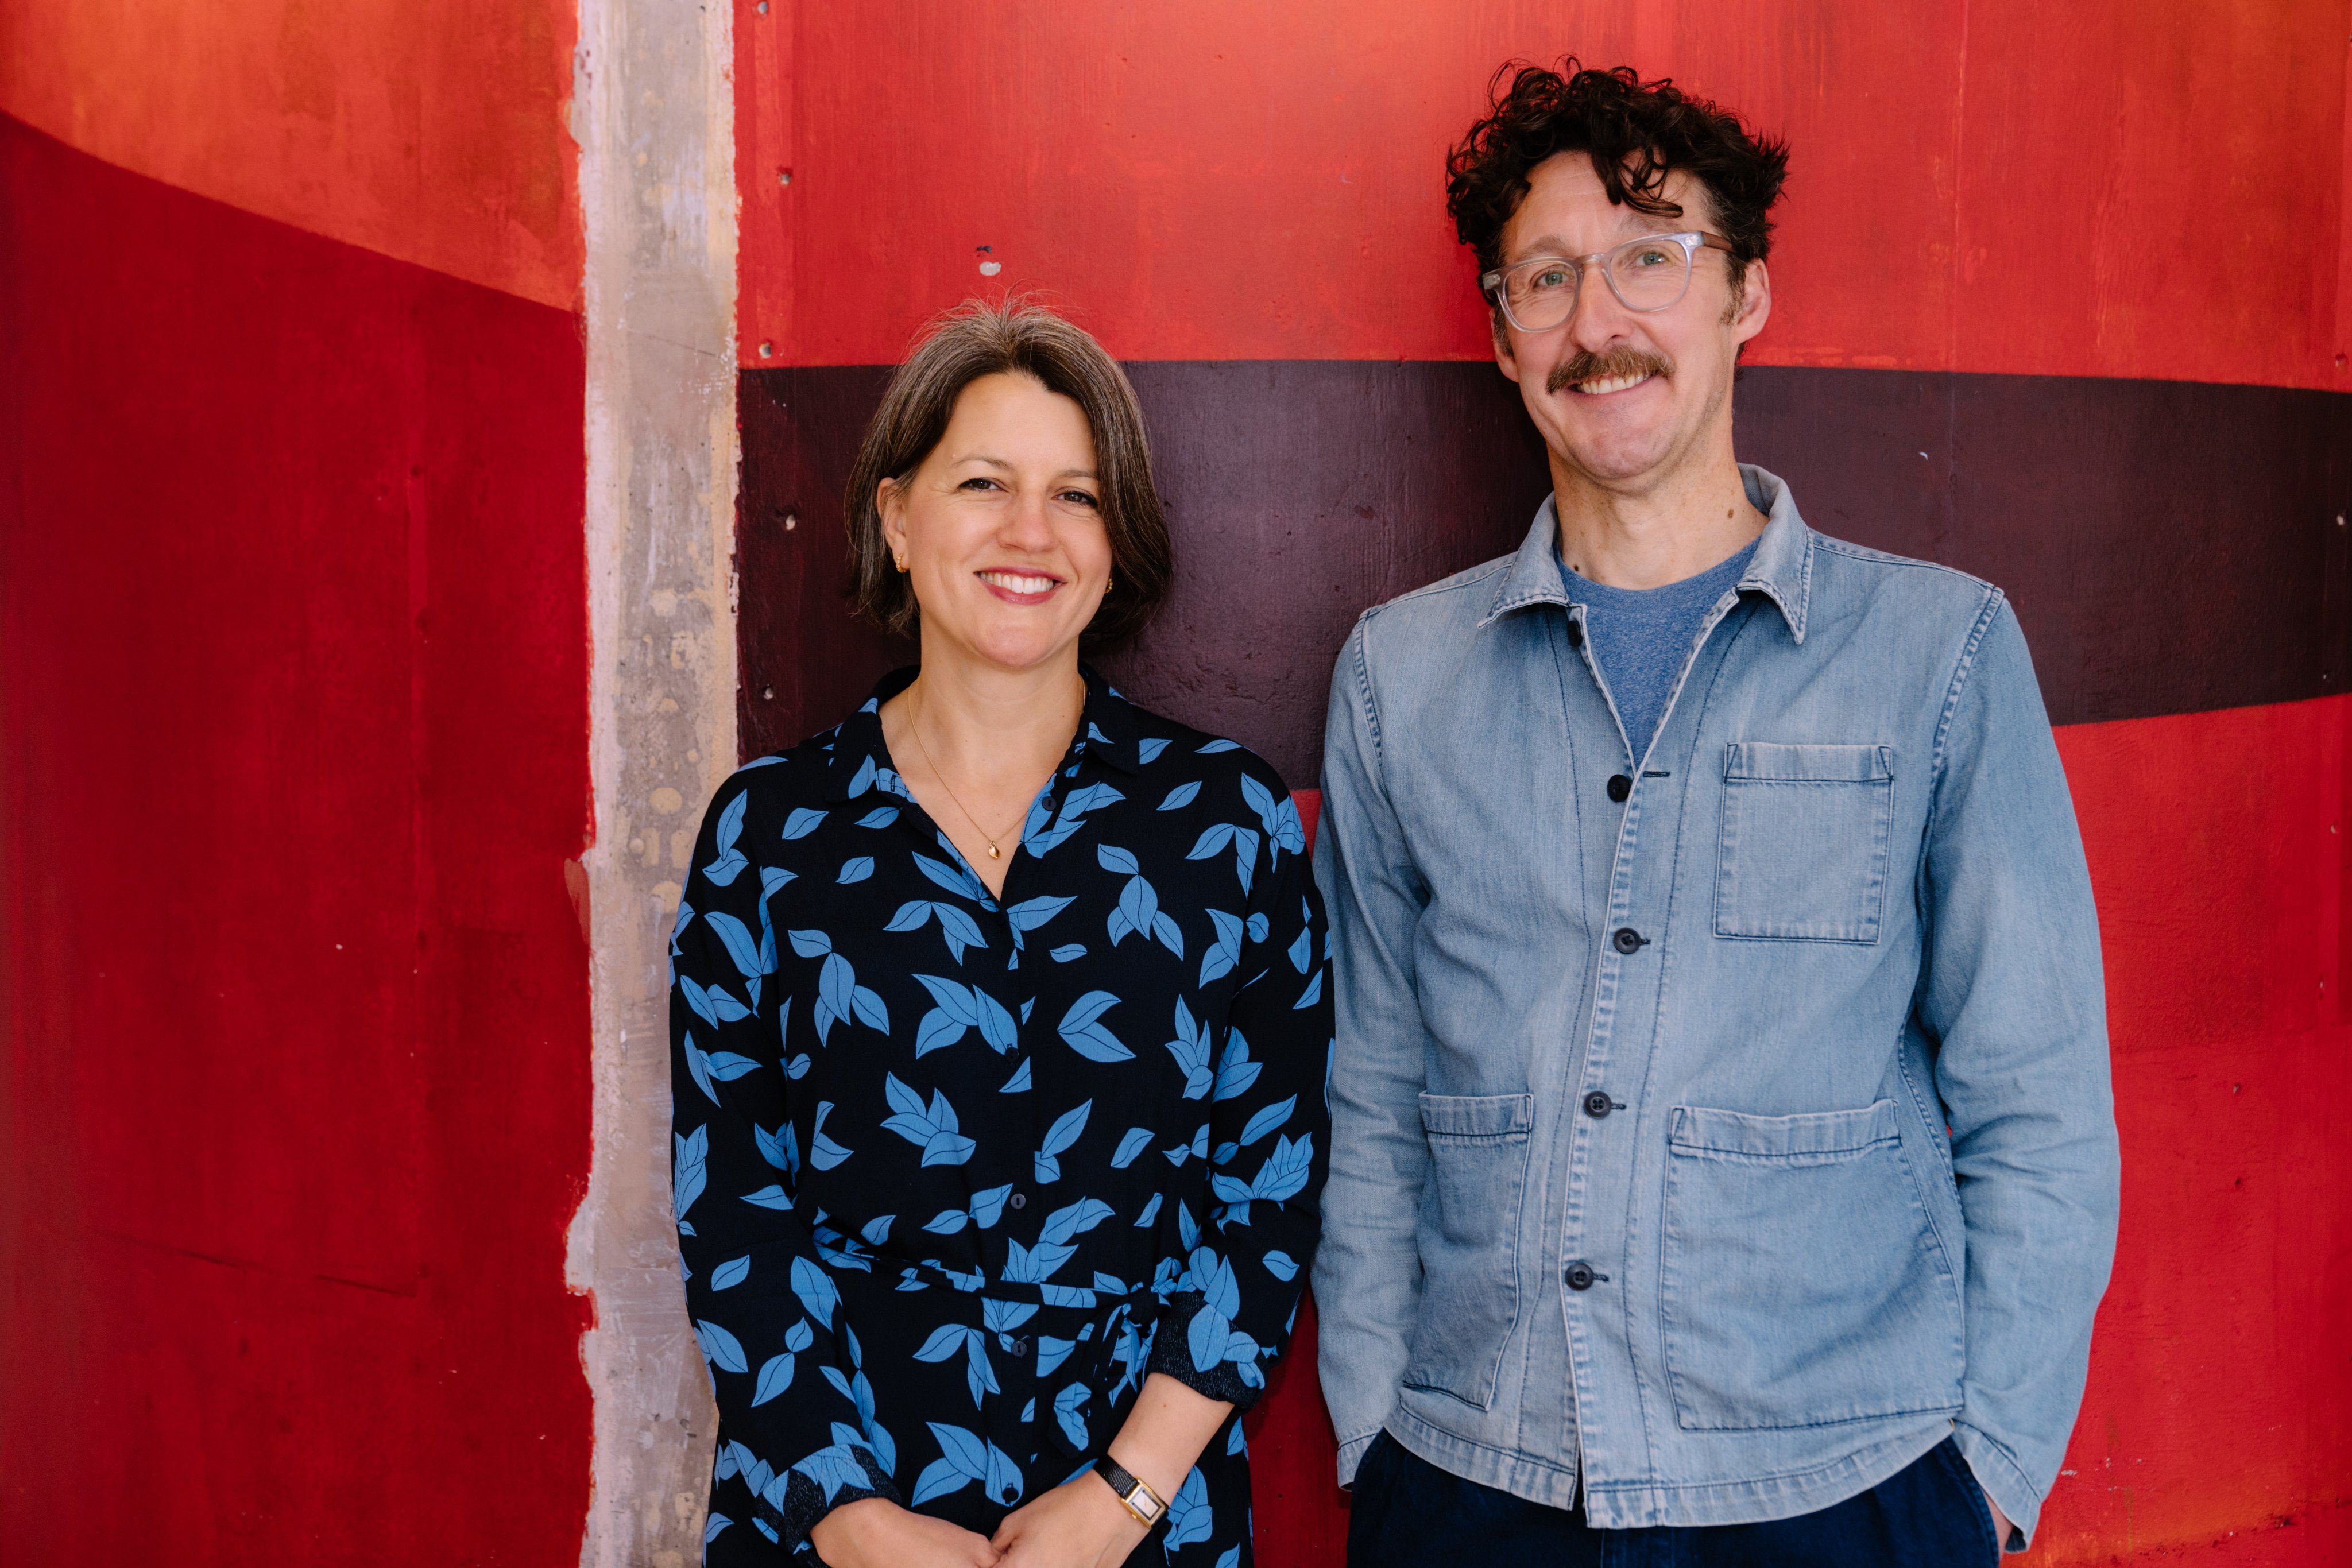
(804, 1503)
(1351, 1455)
(2003, 1482)
(1171, 1352)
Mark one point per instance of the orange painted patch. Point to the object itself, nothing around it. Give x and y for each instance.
(2138, 190)
(428, 131)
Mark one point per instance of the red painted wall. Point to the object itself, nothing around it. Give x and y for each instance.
(2111, 188)
(294, 1100)
(2153, 192)
(2217, 1427)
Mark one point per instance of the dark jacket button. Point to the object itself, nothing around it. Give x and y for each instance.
(1020, 1347)
(1619, 787)
(1629, 940)
(1018, 1200)
(1597, 1104)
(1576, 634)
(1580, 1277)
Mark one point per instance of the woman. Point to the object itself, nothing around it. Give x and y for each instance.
(999, 1032)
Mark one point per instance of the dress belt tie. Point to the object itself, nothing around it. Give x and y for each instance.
(1037, 1292)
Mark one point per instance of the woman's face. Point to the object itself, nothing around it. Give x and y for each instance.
(1002, 527)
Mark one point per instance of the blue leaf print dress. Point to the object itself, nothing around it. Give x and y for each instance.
(954, 1172)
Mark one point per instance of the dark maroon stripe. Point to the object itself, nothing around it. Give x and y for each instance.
(2170, 546)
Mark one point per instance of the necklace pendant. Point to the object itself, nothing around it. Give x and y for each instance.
(994, 854)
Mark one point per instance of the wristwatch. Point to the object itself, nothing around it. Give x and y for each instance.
(1148, 1505)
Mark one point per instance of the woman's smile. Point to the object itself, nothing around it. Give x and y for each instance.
(1019, 587)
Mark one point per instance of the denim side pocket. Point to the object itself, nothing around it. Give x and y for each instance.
(1805, 849)
(1801, 1283)
(1478, 1149)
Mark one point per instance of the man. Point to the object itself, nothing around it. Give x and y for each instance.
(1723, 1164)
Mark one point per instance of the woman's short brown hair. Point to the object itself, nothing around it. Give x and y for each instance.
(978, 339)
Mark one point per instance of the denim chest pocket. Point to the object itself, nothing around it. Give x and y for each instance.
(1469, 1229)
(1804, 850)
(1801, 1283)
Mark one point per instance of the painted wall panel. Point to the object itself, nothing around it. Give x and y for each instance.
(430, 130)
(293, 733)
(2168, 545)
(2141, 191)
(2220, 1398)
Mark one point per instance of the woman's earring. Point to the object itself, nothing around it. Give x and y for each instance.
(900, 559)
(1106, 582)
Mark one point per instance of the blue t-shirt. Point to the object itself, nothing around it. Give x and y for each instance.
(1640, 636)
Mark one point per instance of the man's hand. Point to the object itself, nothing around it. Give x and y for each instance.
(875, 1532)
(2000, 1525)
(1080, 1524)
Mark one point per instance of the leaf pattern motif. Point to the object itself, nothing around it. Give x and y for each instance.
(918, 1240)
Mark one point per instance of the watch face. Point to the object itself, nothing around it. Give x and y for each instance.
(1140, 1500)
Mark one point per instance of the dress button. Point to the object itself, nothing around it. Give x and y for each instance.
(1579, 1276)
(1597, 1104)
(1020, 1346)
(1018, 1200)
(1629, 940)
(1576, 634)
(1619, 787)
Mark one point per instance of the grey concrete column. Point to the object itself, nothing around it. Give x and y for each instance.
(654, 116)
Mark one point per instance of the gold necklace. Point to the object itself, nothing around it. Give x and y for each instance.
(994, 853)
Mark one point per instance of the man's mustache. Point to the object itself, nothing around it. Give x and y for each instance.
(1588, 366)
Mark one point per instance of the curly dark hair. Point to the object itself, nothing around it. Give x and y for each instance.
(1636, 132)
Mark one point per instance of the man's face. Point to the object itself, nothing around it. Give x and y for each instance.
(1621, 397)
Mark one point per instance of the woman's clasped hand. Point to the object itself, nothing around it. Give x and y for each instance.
(875, 1532)
(1079, 1524)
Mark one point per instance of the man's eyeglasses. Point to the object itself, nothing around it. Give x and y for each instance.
(1651, 273)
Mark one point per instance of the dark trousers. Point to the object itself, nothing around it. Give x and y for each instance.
(1408, 1513)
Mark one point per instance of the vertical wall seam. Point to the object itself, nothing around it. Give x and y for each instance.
(654, 117)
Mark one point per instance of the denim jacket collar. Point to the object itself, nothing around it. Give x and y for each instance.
(1781, 569)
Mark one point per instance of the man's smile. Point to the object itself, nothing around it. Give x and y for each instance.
(1599, 375)
(1603, 385)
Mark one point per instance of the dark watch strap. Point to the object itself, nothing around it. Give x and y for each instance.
(1148, 1505)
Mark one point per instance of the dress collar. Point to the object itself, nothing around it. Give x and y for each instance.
(861, 759)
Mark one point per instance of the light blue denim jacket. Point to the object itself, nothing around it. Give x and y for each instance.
(1707, 1043)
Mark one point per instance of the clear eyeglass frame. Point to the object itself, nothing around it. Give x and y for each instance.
(1690, 242)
